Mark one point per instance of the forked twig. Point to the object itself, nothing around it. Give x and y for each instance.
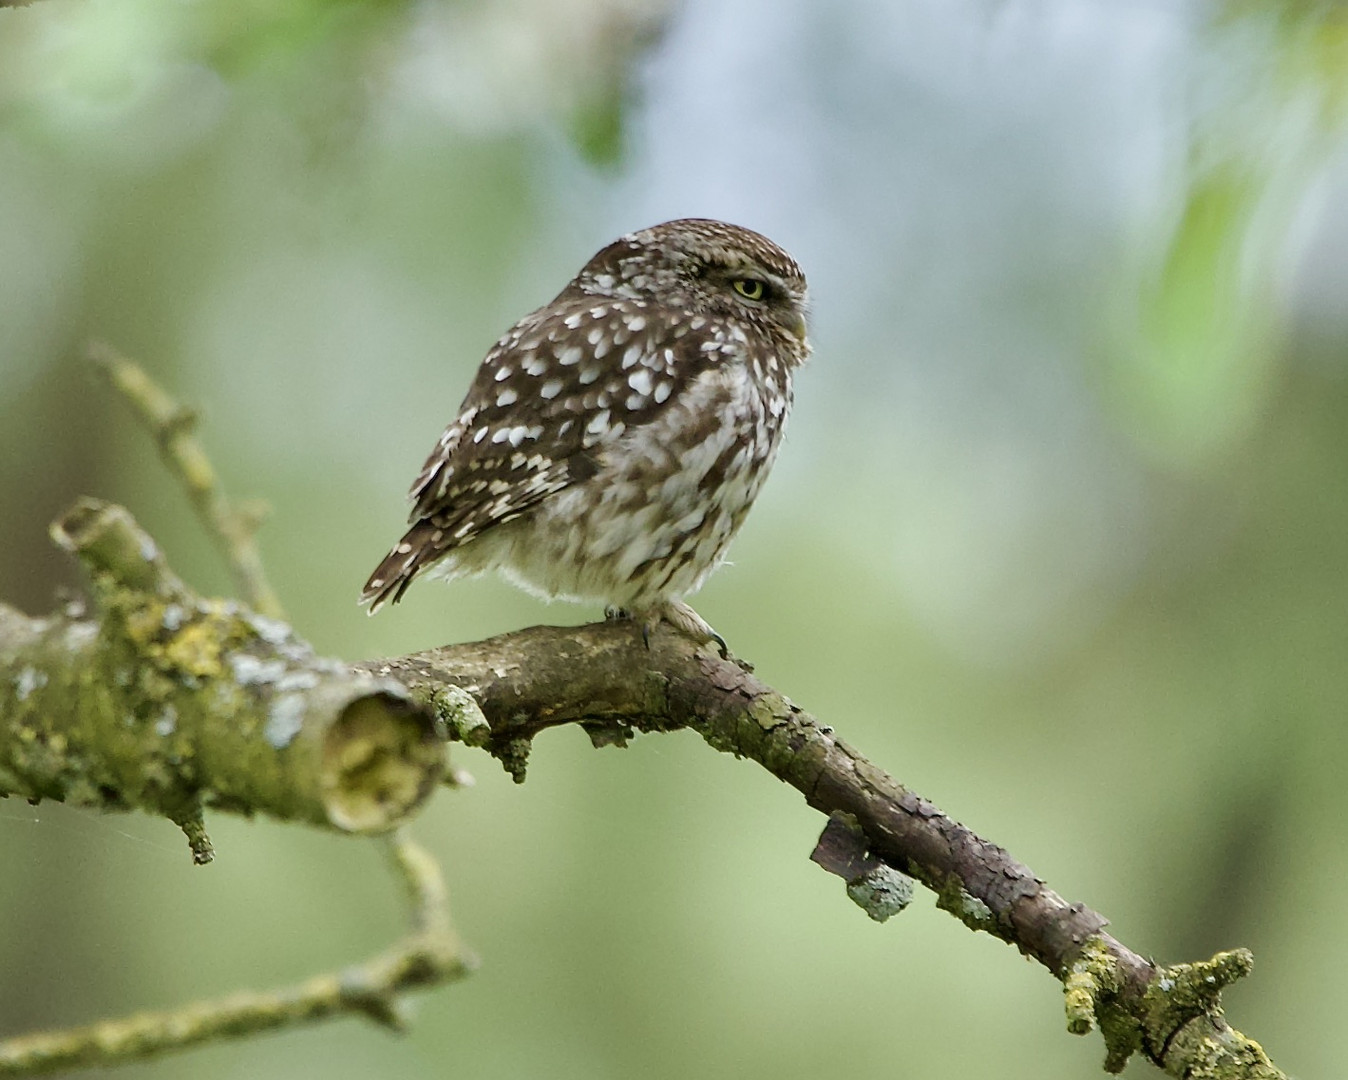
(171, 423)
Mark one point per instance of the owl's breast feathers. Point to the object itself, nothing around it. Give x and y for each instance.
(550, 403)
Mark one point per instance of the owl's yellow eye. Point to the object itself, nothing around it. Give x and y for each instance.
(749, 288)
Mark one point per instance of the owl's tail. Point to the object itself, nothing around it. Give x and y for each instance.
(413, 553)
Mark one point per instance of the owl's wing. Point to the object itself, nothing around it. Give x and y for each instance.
(547, 402)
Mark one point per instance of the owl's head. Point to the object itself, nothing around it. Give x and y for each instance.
(710, 268)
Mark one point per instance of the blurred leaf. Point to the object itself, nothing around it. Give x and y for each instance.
(597, 127)
(597, 122)
(242, 38)
(1312, 38)
(1206, 345)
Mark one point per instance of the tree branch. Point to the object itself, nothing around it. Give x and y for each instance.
(605, 679)
(163, 701)
(429, 954)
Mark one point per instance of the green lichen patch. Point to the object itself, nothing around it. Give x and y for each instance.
(461, 716)
(1091, 995)
(951, 896)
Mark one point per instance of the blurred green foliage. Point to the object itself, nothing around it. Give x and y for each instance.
(1058, 535)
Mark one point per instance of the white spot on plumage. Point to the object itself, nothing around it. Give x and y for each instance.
(662, 392)
(535, 364)
(570, 355)
(691, 520)
(598, 423)
(506, 397)
(632, 356)
(502, 373)
(550, 389)
(590, 373)
(640, 380)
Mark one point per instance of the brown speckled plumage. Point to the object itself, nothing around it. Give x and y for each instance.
(613, 440)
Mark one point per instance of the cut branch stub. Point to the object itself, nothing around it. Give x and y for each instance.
(164, 701)
(873, 885)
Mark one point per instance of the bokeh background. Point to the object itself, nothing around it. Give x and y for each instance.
(1058, 535)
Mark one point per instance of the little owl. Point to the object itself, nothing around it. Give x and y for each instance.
(613, 441)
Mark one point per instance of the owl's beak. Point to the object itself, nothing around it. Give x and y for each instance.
(797, 326)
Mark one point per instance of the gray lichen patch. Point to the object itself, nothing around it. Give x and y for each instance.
(882, 892)
(285, 719)
(28, 680)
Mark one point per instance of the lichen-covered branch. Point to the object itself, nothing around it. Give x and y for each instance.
(604, 678)
(429, 954)
(159, 700)
(171, 424)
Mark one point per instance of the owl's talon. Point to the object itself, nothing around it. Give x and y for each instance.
(721, 646)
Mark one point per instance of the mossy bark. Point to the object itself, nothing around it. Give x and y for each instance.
(159, 700)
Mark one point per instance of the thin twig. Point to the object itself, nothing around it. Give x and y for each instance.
(429, 955)
(172, 423)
